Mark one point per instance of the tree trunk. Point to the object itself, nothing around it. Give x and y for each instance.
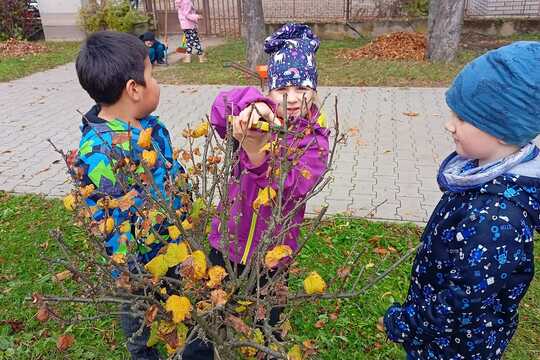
(445, 23)
(255, 32)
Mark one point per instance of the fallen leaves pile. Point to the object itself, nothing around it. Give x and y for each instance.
(392, 46)
(18, 48)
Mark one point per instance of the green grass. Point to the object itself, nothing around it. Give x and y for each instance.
(26, 220)
(59, 53)
(354, 332)
(333, 71)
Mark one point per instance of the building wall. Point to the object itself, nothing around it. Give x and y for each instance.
(60, 19)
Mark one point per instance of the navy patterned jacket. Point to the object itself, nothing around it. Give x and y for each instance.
(475, 262)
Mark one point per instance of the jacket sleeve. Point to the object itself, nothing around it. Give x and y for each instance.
(237, 100)
(97, 170)
(488, 253)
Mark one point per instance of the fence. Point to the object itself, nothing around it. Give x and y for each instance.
(487, 8)
(224, 17)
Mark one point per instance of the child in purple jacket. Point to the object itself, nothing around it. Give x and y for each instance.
(292, 71)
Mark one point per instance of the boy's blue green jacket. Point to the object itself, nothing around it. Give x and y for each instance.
(103, 145)
(475, 262)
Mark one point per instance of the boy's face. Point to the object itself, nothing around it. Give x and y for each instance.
(149, 43)
(299, 100)
(150, 92)
(471, 142)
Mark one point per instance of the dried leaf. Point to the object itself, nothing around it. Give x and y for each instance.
(63, 275)
(216, 275)
(238, 325)
(179, 306)
(314, 284)
(70, 202)
(218, 297)
(274, 256)
(285, 328)
(320, 324)
(176, 253)
(343, 272)
(149, 157)
(264, 197)
(145, 138)
(381, 251)
(295, 353)
(200, 130)
(411, 113)
(106, 226)
(43, 313)
(123, 281)
(64, 342)
(157, 266)
(199, 260)
(150, 314)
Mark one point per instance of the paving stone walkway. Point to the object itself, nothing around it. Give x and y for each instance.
(388, 156)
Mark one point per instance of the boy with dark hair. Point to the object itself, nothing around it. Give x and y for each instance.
(156, 49)
(115, 70)
(476, 259)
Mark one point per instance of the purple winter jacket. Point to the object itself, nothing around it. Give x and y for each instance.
(246, 234)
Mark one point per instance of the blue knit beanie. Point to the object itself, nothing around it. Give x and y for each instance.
(292, 62)
(499, 93)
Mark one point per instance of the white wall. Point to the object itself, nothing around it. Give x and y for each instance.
(60, 19)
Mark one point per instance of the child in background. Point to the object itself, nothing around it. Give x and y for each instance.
(156, 50)
(189, 18)
(292, 71)
(476, 259)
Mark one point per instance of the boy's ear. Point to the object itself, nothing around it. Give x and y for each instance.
(133, 90)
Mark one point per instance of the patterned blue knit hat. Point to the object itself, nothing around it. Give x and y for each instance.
(499, 93)
(292, 57)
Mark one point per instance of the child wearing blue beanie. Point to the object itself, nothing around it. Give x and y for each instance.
(476, 259)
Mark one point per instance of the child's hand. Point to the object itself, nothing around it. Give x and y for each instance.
(252, 141)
